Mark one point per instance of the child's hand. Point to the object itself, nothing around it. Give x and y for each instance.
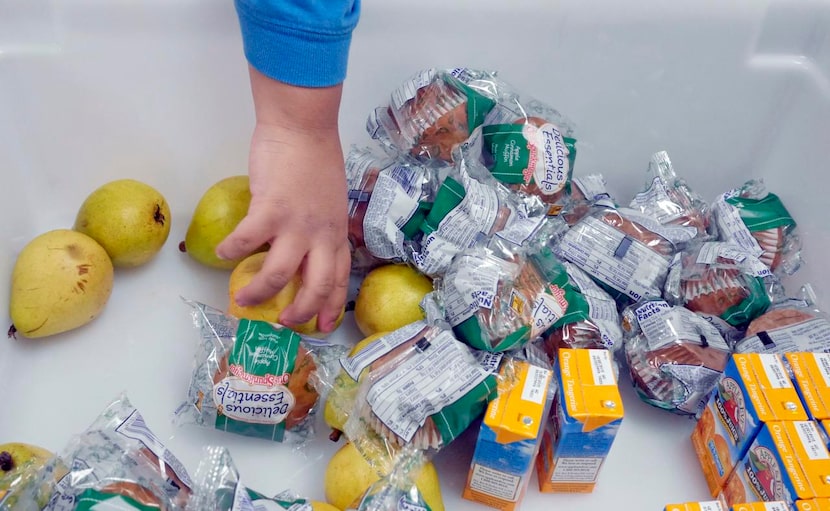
(298, 202)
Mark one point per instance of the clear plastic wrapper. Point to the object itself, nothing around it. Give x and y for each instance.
(468, 213)
(423, 392)
(219, 488)
(30, 487)
(397, 490)
(757, 221)
(722, 282)
(790, 325)
(388, 200)
(670, 200)
(591, 320)
(434, 111)
(675, 357)
(119, 461)
(586, 191)
(256, 379)
(526, 146)
(625, 251)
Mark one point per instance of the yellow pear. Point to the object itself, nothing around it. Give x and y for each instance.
(61, 280)
(217, 214)
(390, 298)
(130, 219)
(348, 476)
(341, 397)
(16, 460)
(322, 506)
(270, 309)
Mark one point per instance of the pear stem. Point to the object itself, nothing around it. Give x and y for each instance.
(12, 332)
(335, 435)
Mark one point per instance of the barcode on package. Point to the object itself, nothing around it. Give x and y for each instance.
(823, 363)
(774, 369)
(536, 384)
(355, 365)
(811, 440)
(135, 428)
(601, 367)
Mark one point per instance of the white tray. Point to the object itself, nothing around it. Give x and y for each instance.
(94, 90)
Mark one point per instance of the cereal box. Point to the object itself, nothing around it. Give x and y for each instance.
(813, 505)
(755, 388)
(713, 505)
(811, 373)
(584, 420)
(787, 461)
(508, 440)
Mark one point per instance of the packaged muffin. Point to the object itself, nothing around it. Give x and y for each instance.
(256, 379)
(591, 320)
(669, 199)
(757, 221)
(788, 326)
(388, 200)
(423, 392)
(586, 191)
(433, 111)
(674, 356)
(722, 282)
(219, 487)
(467, 213)
(118, 460)
(626, 252)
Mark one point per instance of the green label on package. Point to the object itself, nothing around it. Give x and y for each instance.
(252, 398)
(762, 214)
(449, 195)
(478, 105)
(92, 500)
(527, 154)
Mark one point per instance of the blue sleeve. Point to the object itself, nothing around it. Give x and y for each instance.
(300, 42)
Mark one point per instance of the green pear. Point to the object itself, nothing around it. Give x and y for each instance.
(61, 280)
(217, 214)
(130, 219)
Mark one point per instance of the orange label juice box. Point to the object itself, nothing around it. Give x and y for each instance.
(584, 420)
(762, 506)
(813, 505)
(508, 440)
(811, 373)
(755, 388)
(714, 505)
(787, 461)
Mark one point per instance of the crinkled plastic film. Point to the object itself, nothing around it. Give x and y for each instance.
(118, 457)
(790, 325)
(33, 487)
(423, 393)
(388, 200)
(397, 489)
(757, 221)
(219, 487)
(669, 199)
(674, 356)
(257, 379)
(720, 279)
(591, 320)
(627, 253)
(433, 111)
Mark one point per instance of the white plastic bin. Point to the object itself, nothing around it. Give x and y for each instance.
(94, 90)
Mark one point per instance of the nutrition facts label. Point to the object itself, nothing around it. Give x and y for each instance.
(494, 482)
(711, 251)
(612, 257)
(394, 200)
(664, 325)
(424, 384)
(576, 470)
(733, 227)
(471, 284)
(811, 336)
(355, 364)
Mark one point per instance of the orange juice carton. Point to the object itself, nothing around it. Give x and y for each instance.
(712, 505)
(787, 461)
(585, 417)
(508, 440)
(813, 505)
(755, 389)
(777, 505)
(811, 373)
